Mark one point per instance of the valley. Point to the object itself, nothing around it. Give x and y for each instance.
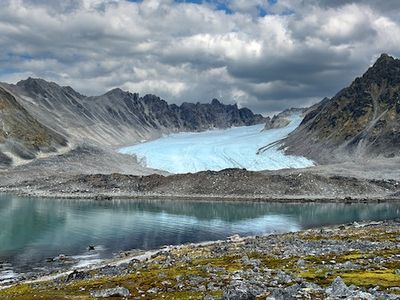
(216, 150)
(127, 175)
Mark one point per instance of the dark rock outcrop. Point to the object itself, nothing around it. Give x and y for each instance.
(362, 120)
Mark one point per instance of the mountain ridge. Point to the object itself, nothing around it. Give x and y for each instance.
(119, 117)
(361, 120)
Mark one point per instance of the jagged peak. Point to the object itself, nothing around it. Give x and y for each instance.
(384, 58)
(386, 67)
(42, 86)
(30, 81)
(115, 91)
(215, 101)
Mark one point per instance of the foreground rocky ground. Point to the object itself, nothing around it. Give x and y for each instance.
(357, 261)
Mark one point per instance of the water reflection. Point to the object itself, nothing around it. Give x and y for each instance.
(33, 229)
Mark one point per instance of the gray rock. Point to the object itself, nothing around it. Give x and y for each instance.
(363, 296)
(350, 265)
(285, 293)
(238, 292)
(338, 288)
(154, 290)
(301, 263)
(114, 292)
(250, 262)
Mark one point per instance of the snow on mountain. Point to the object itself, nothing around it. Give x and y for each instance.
(219, 149)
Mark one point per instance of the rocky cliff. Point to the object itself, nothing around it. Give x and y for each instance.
(362, 120)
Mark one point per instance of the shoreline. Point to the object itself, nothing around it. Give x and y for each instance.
(205, 198)
(341, 247)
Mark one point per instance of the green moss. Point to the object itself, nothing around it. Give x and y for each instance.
(229, 263)
(366, 278)
(273, 262)
(16, 290)
(382, 278)
(27, 292)
(318, 276)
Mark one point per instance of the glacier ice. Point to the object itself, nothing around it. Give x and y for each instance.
(219, 149)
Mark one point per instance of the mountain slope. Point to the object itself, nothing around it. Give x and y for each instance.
(21, 134)
(362, 120)
(42, 115)
(283, 118)
(119, 117)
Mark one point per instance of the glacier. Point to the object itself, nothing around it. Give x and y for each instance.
(219, 149)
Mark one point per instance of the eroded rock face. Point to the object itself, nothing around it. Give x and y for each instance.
(361, 120)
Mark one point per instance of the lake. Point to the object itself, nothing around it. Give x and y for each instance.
(32, 230)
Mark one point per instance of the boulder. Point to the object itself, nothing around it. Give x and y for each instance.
(338, 289)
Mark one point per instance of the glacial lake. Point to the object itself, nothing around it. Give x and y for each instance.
(32, 230)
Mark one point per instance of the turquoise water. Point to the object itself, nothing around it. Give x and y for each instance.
(32, 230)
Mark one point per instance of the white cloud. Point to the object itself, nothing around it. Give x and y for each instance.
(299, 52)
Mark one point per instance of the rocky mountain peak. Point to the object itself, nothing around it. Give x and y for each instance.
(116, 92)
(363, 119)
(35, 85)
(385, 58)
(215, 102)
(385, 68)
(40, 87)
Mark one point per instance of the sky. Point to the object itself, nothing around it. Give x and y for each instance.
(267, 55)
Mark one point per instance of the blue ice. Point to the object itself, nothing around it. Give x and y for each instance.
(218, 149)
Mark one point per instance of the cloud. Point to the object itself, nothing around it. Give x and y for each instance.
(267, 55)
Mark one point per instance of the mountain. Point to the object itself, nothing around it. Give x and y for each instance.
(362, 120)
(282, 119)
(117, 117)
(21, 135)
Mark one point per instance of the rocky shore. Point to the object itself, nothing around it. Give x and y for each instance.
(355, 261)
